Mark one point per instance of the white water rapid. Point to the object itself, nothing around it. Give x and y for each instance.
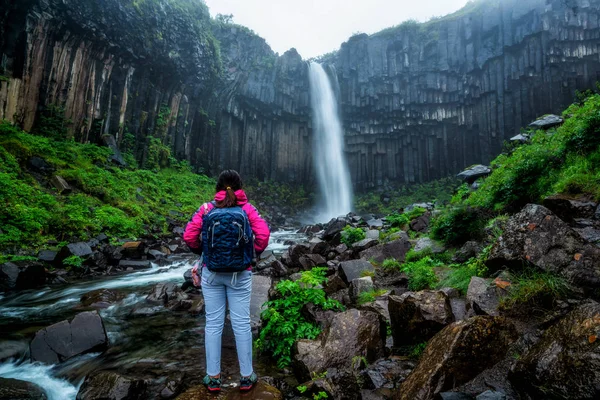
(328, 137)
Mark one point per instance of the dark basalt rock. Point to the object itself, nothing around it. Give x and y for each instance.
(351, 333)
(547, 122)
(538, 237)
(458, 354)
(14, 389)
(396, 249)
(79, 249)
(22, 275)
(351, 270)
(101, 298)
(417, 316)
(66, 339)
(565, 363)
(470, 175)
(112, 386)
(568, 209)
(262, 391)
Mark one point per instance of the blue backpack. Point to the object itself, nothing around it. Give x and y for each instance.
(227, 240)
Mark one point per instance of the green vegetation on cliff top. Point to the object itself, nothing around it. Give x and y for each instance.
(121, 203)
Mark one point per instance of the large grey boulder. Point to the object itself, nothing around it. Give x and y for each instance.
(396, 249)
(547, 122)
(458, 354)
(360, 285)
(417, 316)
(565, 362)
(352, 334)
(483, 296)
(67, 339)
(536, 236)
(473, 173)
(351, 270)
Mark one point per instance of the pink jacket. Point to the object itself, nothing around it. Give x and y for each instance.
(193, 230)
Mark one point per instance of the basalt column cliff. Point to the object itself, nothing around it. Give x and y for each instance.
(419, 101)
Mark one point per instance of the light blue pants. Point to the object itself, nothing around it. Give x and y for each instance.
(234, 289)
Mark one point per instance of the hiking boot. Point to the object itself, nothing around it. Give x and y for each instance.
(248, 382)
(212, 384)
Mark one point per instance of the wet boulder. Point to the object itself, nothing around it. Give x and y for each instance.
(21, 275)
(420, 224)
(351, 334)
(426, 243)
(387, 373)
(67, 339)
(169, 295)
(417, 316)
(262, 391)
(61, 185)
(458, 354)
(112, 386)
(565, 362)
(132, 265)
(14, 389)
(38, 164)
(101, 298)
(473, 173)
(351, 270)
(538, 237)
(469, 250)
(333, 228)
(396, 249)
(47, 256)
(364, 244)
(360, 285)
(79, 249)
(568, 208)
(483, 296)
(546, 122)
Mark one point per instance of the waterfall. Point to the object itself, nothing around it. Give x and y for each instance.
(328, 147)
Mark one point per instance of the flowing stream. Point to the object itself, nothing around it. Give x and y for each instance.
(165, 341)
(329, 159)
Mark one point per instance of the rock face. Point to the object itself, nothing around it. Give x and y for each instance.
(262, 391)
(565, 363)
(351, 333)
(63, 340)
(537, 236)
(418, 102)
(456, 355)
(416, 317)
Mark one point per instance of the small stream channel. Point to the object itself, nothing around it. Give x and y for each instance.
(160, 346)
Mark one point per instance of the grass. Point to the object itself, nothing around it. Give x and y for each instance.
(443, 258)
(534, 289)
(461, 274)
(124, 203)
(391, 264)
(370, 296)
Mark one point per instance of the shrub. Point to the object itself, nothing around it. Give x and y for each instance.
(443, 258)
(459, 225)
(398, 220)
(461, 274)
(352, 235)
(283, 321)
(73, 261)
(420, 274)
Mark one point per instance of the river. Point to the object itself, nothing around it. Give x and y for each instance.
(162, 344)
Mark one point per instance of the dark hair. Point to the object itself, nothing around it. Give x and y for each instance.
(229, 181)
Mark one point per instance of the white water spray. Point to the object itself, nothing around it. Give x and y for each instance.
(329, 159)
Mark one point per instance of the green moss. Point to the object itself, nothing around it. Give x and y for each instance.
(4, 78)
(114, 201)
(420, 274)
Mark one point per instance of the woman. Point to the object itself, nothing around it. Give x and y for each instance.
(227, 231)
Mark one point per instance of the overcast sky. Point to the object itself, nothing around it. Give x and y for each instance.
(316, 27)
